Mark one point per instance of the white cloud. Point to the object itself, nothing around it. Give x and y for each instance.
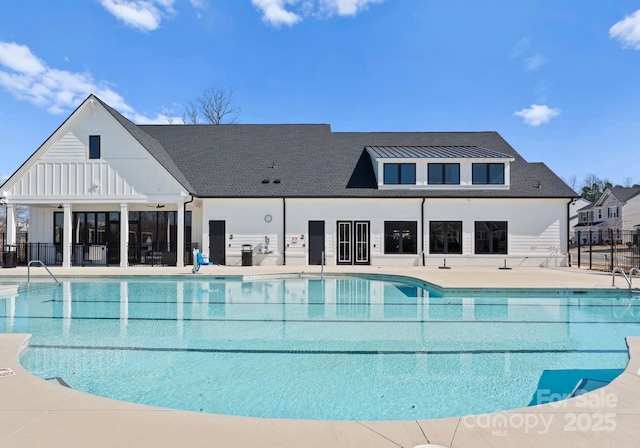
(538, 114)
(627, 31)
(274, 12)
(144, 15)
(19, 58)
(290, 12)
(346, 7)
(534, 62)
(28, 78)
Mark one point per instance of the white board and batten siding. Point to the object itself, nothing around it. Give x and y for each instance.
(61, 169)
(534, 228)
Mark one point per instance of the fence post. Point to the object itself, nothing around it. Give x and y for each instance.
(590, 249)
(636, 248)
(579, 244)
(613, 243)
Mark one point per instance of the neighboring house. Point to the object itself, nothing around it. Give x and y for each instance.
(618, 208)
(102, 189)
(574, 215)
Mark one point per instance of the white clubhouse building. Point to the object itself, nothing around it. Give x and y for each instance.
(102, 190)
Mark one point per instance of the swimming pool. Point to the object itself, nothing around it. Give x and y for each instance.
(334, 348)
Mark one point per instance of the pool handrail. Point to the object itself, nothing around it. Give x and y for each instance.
(44, 266)
(613, 276)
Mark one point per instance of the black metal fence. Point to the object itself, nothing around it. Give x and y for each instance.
(604, 249)
(96, 254)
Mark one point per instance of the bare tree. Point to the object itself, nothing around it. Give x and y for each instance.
(21, 216)
(190, 115)
(572, 182)
(166, 113)
(214, 105)
(627, 182)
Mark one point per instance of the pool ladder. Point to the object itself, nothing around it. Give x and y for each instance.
(628, 278)
(44, 266)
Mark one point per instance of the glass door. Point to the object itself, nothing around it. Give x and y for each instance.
(353, 242)
(361, 242)
(344, 242)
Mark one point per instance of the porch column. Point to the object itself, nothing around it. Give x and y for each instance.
(12, 237)
(67, 236)
(180, 245)
(124, 235)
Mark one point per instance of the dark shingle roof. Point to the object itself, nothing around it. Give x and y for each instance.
(432, 152)
(623, 194)
(312, 161)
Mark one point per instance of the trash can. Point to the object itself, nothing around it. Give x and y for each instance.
(9, 258)
(247, 255)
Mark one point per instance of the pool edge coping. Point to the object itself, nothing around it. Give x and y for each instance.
(60, 400)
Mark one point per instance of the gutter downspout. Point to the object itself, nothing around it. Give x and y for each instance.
(185, 221)
(569, 232)
(284, 231)
(422, 224)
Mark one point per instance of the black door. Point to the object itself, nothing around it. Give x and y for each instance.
(353, 242)
(316, 241)
(217, 242)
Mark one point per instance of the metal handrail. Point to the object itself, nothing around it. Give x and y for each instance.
(613, 276)
(322, 267)
(41, 264)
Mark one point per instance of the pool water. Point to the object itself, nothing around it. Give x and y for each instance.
(338, 348)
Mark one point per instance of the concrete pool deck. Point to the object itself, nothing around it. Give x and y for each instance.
(37, 413)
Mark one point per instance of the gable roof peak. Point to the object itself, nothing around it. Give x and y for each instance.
(623, 194)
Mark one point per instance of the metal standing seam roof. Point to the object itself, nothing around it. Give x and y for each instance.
(435, 152)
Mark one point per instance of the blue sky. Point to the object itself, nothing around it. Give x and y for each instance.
(559, 80)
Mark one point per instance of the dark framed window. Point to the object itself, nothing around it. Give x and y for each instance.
(491, 237)
(444, 173)
(488, 174)
(399, 173)
(445, 237)
(94, 146)
(400, 237)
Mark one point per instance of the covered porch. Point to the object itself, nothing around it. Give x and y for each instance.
(125, 234)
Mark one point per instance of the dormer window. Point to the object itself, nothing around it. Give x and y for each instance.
(444, 173)
(400, 173)
(488, 174)
(94, 146)
(440, 167)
